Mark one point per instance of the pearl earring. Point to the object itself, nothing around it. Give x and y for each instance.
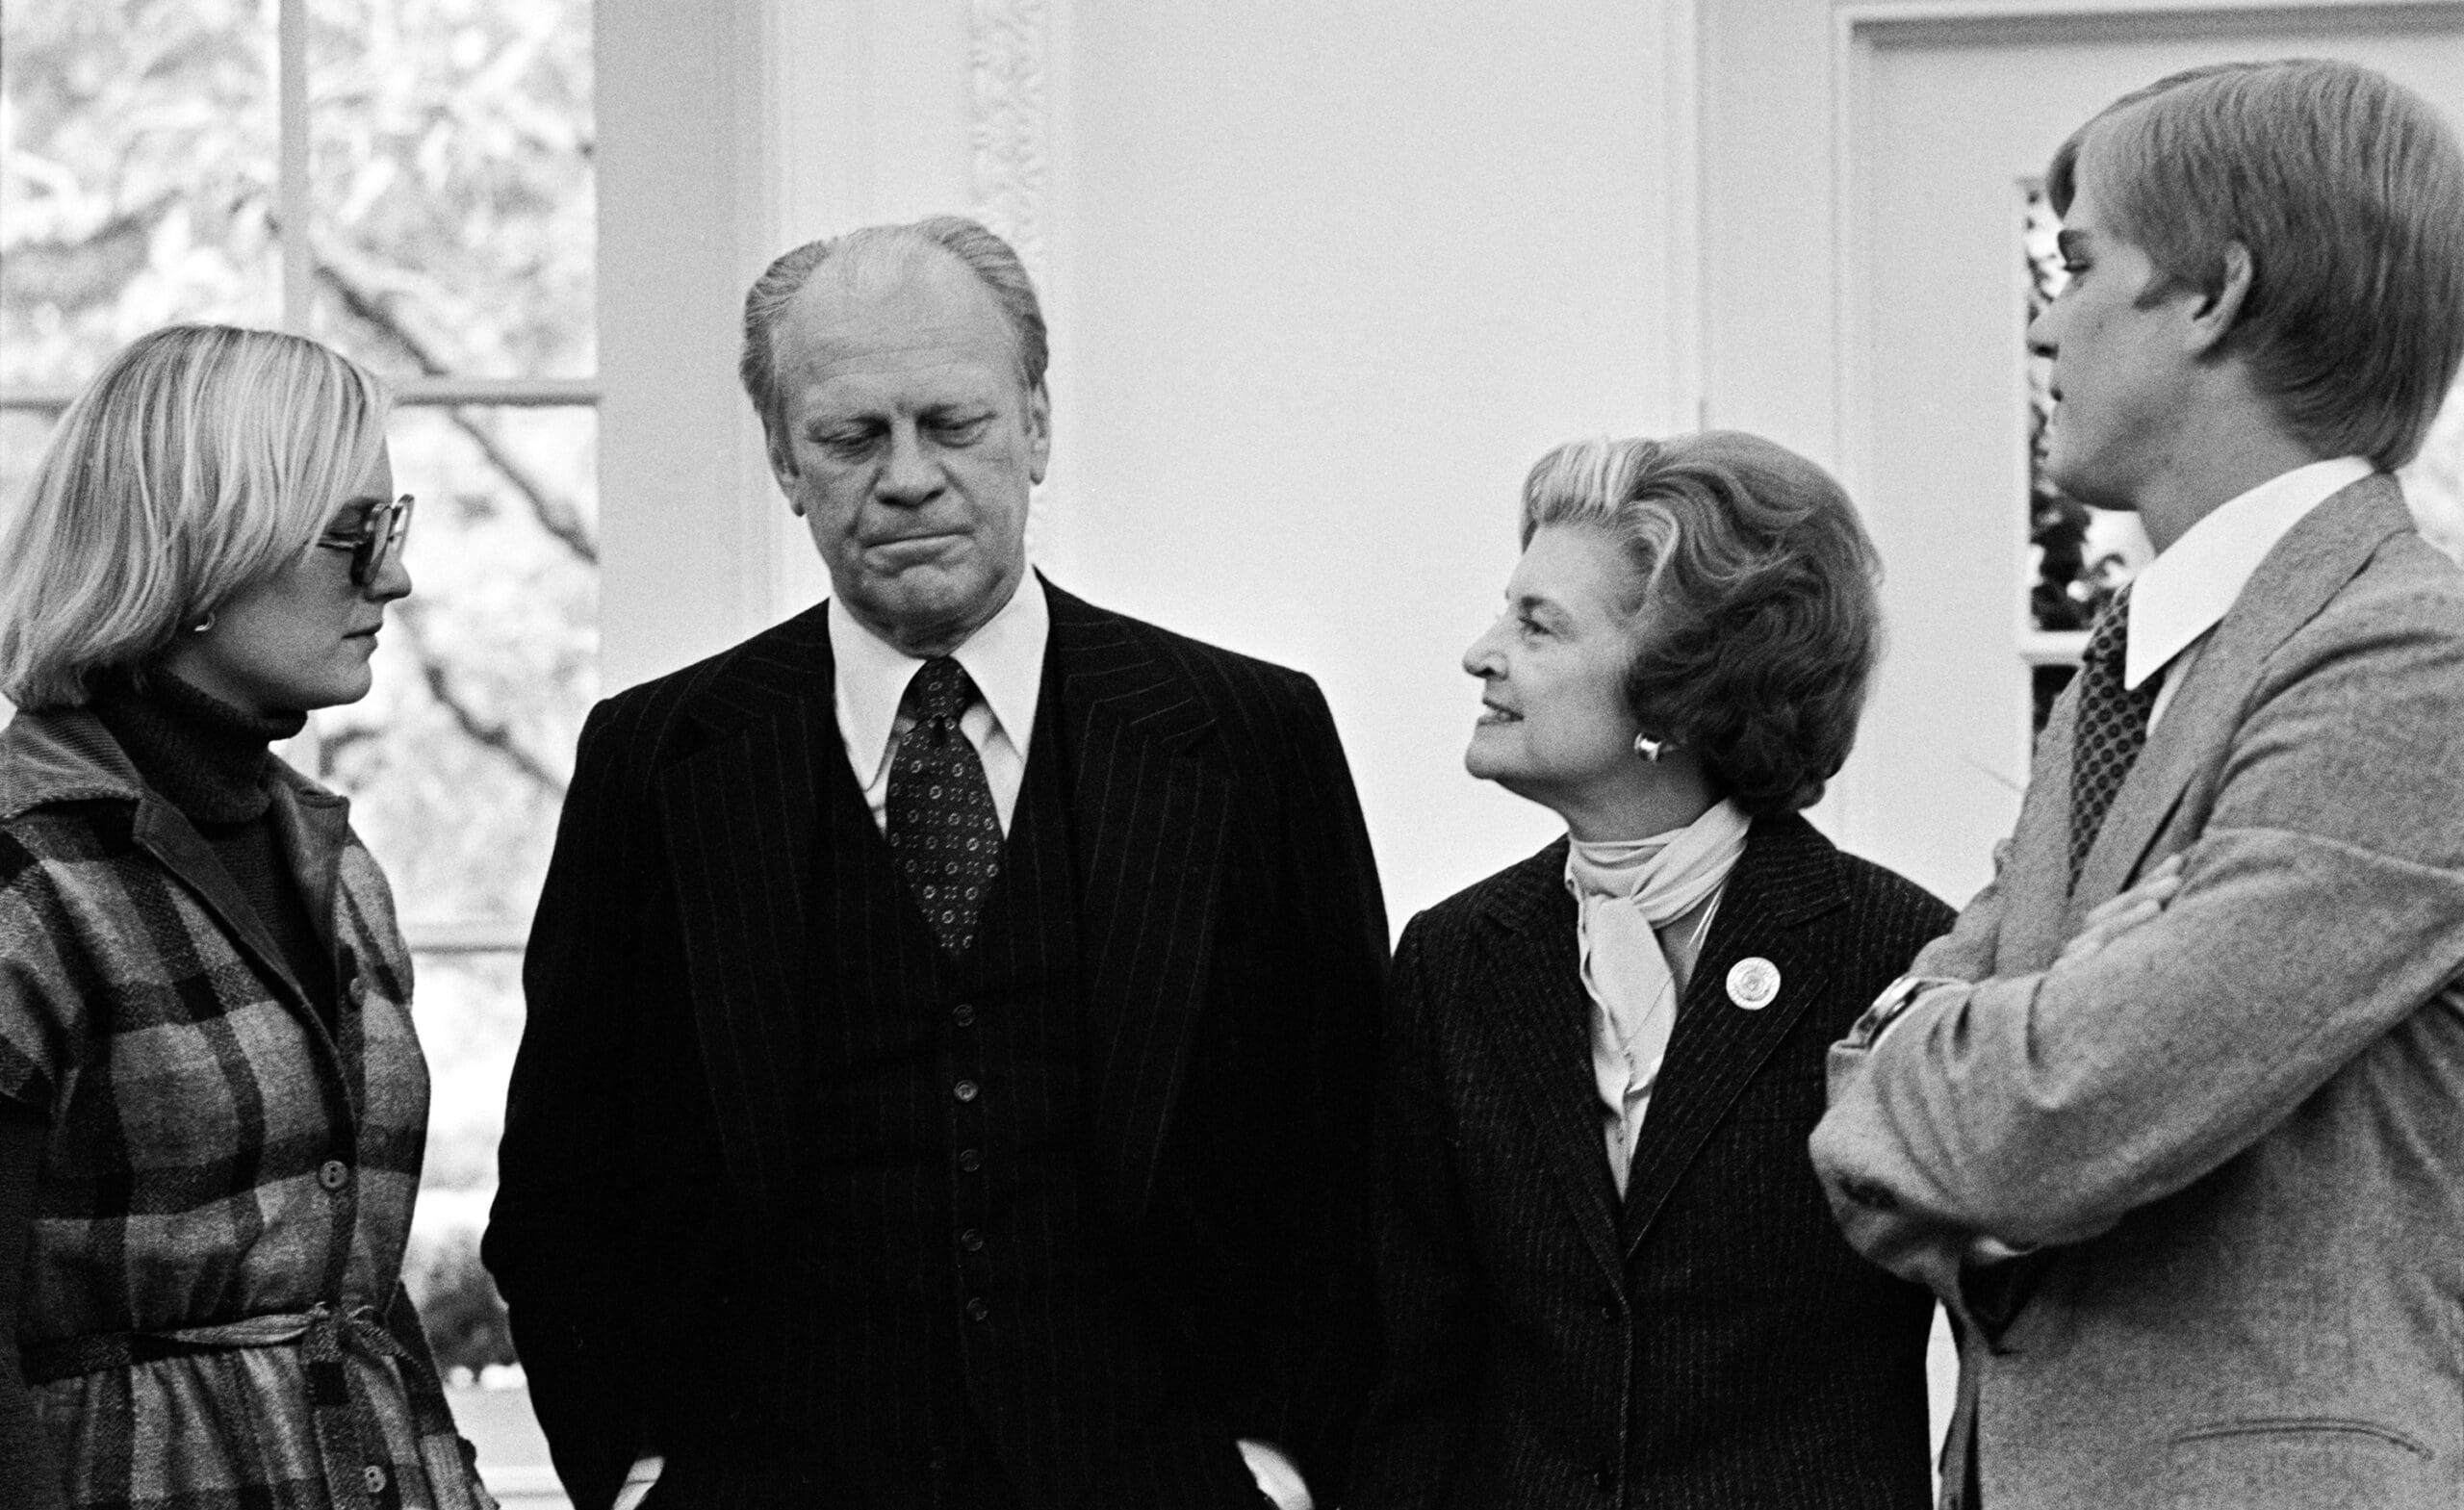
(1650, 748)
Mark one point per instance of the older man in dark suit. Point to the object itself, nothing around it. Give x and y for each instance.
(950, 1009)
(2194, 1177)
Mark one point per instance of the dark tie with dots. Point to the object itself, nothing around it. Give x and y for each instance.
(2113, 727)
(945, 832)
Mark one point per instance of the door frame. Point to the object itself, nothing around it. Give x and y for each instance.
(1859, 28)
(1774, 77)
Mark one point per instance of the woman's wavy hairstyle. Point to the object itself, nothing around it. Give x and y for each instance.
(201, 459)
(1753, 615)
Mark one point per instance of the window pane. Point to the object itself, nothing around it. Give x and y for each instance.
(469, 1013)
(2045, 689)
(457, 762)
(136, 164)
(455, 223)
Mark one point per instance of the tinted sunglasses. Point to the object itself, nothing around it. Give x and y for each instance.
(373, 540)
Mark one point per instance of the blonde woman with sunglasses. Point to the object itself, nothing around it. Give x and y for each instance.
(211, 1103)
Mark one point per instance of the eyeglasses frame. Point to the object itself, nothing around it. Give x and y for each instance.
(381, 533)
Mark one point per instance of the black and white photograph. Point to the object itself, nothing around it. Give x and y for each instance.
(1033, 755)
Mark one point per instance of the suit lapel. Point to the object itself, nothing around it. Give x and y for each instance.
(740, 815)
(1541, 1026)
(1149, 816)
(1788, 874)
(2036, 877)
(2313, 561)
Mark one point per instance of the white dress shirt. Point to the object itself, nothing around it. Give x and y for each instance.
(2183, 593)
(1004, 661)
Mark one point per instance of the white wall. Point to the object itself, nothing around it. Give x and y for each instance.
(680, 235)
(1323, 282)
(1334, 287)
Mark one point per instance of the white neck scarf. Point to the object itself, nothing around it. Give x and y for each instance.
(1623, 891)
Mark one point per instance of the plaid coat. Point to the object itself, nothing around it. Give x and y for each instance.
(212, 1313)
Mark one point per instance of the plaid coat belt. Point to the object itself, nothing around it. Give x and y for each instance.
(346, 1427)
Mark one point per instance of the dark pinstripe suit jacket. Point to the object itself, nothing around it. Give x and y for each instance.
(652, 1210)
(1711, 1341)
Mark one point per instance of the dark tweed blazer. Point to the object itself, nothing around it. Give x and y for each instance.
(651, 1219)
(1711, 1341)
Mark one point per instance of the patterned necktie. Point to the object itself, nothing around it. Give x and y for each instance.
(945, 832)
(2113, 727)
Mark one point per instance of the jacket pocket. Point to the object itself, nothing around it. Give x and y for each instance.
(2308, 1460)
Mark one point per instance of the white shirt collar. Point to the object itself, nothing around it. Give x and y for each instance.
(2184, 592)
(1004, 658)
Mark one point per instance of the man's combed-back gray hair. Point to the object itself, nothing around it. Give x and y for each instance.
(986, 255)
(200, 460)
(2347, 192)
(1754, 617)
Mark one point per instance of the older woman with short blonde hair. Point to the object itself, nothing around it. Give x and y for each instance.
(211, 1103)
(1605, 1271)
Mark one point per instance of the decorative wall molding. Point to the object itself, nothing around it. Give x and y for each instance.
(1010, 134)
(1011, 129)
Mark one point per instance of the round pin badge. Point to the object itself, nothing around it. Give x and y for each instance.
(1753, 983)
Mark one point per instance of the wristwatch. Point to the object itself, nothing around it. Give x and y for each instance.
(1896, 998)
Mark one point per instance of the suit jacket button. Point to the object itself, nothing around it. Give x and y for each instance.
(333, 1174)
(966, 1090)
(970, 1159)
(963, 1014)
(972, 1240)
(976, 1309)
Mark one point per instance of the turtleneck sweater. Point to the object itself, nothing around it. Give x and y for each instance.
(211, 761)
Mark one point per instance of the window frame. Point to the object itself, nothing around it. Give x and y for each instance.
(294, 204)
